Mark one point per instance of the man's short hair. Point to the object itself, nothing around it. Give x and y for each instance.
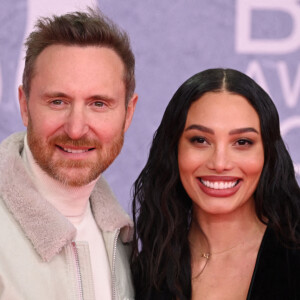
(89, 28)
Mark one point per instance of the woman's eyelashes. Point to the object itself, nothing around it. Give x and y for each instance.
(244, 142)
(241, 142)
(198, 140)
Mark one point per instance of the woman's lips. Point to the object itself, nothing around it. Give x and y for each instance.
(219, 186)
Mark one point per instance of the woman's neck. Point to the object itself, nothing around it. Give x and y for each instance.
(217, 234)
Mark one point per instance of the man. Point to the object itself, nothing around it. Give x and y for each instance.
(63, 235)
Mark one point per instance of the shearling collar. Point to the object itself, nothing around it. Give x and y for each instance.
(47, 229)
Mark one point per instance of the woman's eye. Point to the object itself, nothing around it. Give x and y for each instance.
(198, 140)
(244, 142)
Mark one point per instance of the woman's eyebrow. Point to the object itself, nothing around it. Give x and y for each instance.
(209, 130)
(243, 130)
(200, 127)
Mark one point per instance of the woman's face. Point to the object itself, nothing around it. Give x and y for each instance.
(220, 153)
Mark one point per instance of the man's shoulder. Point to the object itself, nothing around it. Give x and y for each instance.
(108, 212)
(12, 142)
(10, 157)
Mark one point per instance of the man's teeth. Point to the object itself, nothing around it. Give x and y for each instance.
(75, 151)
(219, 185)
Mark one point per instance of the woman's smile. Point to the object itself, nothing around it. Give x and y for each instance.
(219, 187)
(220, 158)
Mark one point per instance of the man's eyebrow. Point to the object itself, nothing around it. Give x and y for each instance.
(101, 97)
(54, 95)
(211, 131)
(63, 95)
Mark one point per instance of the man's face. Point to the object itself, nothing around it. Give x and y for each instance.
(76, 115)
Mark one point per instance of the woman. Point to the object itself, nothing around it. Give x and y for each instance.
(216, 208)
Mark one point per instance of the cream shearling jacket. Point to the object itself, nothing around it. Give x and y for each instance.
(38, 257)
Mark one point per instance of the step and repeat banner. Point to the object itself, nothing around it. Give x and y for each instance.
(172, 40)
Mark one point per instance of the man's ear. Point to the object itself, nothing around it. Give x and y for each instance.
(130, 110)
(23, 105)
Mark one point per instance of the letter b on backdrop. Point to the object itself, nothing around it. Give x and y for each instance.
(246, 43)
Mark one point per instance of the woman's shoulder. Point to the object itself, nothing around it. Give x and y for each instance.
(272, 241)
(278, 258)
(277, 270)
(153, 293)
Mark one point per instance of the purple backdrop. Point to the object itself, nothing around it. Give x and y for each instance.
(173, 40)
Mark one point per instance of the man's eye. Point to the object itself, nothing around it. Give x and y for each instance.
(57, 102)
(99, 104)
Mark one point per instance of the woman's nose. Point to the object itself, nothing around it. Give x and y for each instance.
(220, 160)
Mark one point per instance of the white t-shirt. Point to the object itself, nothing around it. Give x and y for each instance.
(73, 203)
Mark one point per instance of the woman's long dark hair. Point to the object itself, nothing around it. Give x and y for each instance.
(161, 207)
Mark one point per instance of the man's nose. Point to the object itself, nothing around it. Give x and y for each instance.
(76, 124)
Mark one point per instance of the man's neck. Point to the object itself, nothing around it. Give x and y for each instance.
(70, 201)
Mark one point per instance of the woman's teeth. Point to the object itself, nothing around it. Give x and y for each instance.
(219, 185)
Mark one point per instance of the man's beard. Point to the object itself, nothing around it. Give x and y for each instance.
(62, 169)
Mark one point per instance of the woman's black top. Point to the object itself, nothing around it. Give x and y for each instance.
(276, 274)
